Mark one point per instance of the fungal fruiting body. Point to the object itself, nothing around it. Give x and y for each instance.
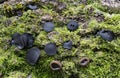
(33, 55)
(67, 45)
(50, 49)
(106, 35)
(84, 61)
(48, 26)
(55, 65)
(2, 1)
(72, 25)
(25, 40)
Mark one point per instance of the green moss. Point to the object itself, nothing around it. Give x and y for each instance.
(104, 55)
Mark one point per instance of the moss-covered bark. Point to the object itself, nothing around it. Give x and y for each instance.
(104, 55)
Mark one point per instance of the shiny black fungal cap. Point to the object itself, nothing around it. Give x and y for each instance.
(68, 45)
(25, 40)
(72, 25)
(84, 61)
(106, 35)
(48, 26)
(33, 55)
(50, 49)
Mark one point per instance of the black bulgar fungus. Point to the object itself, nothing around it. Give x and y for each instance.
(16, 35)
(18, 42)
(50, 49)
(72, 25)
(84, 61)
(48, 26)
(67, 45)
(25, 40)
(55, 65)
(14, 38)
(2, 1)
(33, 55)
(106, 35)
(30, 39)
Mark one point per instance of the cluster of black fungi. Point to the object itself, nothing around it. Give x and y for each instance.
(26, 40)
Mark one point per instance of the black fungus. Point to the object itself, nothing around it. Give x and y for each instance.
(50, 49)
(25, 40)
(72, 25)
(67, 45)
(106, 35)
(48, 26)
(16, 35)
(2, 1)
(30, 39)
(55, 65)
(15, 38)
(84, 61)
(33, 55)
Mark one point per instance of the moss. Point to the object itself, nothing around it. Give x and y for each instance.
(104, 55)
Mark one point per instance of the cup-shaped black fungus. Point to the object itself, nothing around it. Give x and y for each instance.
(33, 55)
(55, 65)
(72, 25)
(67, 45)
(106, 35)
(84, 61)
(25, 40)
(48, 26)
(50, 49)
(15, 35)
(30, 39)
